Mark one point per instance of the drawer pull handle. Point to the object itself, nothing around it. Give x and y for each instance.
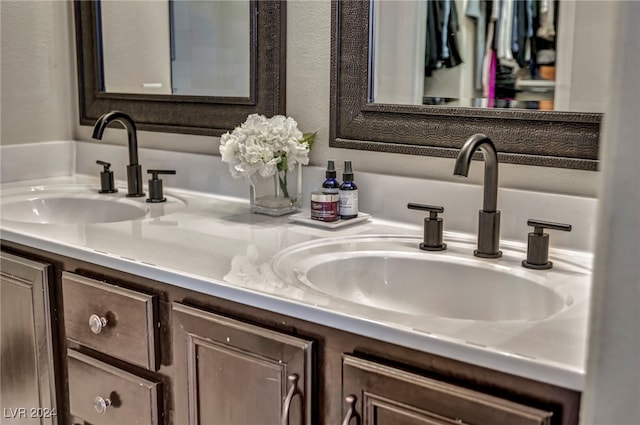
(97, 323)
(351, 413)
(101, 404)
(293, 390)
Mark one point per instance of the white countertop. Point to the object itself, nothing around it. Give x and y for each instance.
(215, 246)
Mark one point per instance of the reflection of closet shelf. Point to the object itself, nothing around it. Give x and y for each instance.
(536, 85)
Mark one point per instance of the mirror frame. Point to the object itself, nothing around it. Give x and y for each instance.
(203, 115)
(542, 138)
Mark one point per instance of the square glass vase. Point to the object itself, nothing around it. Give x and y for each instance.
(277, 195)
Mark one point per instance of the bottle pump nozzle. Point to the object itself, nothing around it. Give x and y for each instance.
(347, 174)
(331, 170)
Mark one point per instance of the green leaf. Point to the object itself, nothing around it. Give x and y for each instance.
(282, 165)
(309, 138)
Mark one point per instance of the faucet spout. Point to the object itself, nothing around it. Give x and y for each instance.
(489, 218)
(128, 124)
(134, 169)
(488, 149)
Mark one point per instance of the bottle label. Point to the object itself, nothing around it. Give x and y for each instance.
(348, 203)
(324, 211)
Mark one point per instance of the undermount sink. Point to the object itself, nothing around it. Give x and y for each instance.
(391, 274)
(78, 205)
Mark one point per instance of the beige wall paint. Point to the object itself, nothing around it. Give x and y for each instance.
(38, 72)
(308, 82)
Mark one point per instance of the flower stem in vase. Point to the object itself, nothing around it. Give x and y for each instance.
(283, 183)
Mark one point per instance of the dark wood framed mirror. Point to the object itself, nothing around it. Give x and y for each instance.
(203, 115)
(543, 138)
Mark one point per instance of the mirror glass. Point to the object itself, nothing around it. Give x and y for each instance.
(526, 54)
(181, 47)
(361, 119)
(207, 65)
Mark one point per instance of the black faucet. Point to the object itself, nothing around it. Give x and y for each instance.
(134, 170)
(489, 218)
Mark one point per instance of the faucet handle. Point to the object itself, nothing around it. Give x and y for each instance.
(105, 164)
(155, 185)
(154, 173)
(538, 244)
(106, 178)
(433, 227)
(433, 210)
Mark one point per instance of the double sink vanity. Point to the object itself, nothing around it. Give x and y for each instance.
(193, 310)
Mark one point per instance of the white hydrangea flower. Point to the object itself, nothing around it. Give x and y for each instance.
(263, 145)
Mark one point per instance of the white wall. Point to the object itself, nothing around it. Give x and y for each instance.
(612, 394)
(38, 93)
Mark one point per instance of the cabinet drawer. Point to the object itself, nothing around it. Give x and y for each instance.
(122, 397)
(123, 320)
(386, 395)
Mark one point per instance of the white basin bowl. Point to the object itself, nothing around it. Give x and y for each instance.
(415, 284)
(69, 209)
(78, 205)
(391, 274)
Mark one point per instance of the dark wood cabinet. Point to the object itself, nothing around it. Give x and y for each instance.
(194, 358)
(231, 372)
(27, 378)
(377, 394)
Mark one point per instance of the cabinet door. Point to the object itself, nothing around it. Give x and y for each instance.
(231, 372)
(388, 396)
(27, 387)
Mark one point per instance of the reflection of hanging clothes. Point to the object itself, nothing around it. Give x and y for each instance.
(522, 32)
(476, 9)
(442, 27)
(505, 33)
(520, 37)
(547, 28)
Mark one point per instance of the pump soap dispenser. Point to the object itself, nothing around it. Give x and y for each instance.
(331, 184)
(348, 194)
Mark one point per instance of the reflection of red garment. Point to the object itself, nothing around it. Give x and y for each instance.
(486, 61)
(492, 79)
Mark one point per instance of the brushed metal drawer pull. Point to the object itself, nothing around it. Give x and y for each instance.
(101, 404)
(351, 413)
(97, 323)
(293, 390)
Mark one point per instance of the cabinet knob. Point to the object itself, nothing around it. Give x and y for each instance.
(293, 390)
(351, 413)
(97, 323)
(101, 404)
